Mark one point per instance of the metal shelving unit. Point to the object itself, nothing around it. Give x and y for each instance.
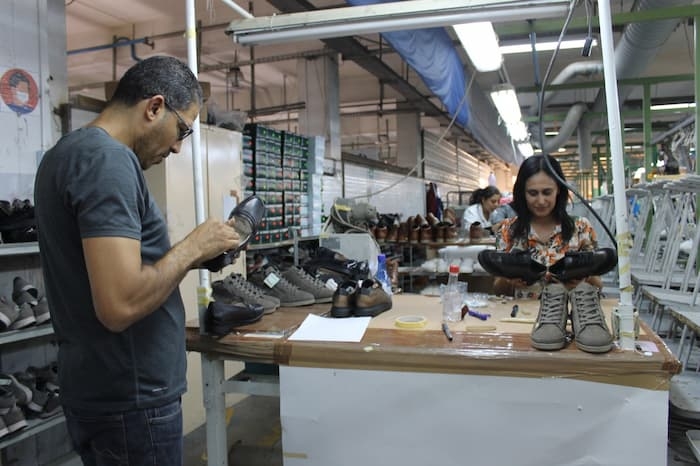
(34, 427)
(19, 249)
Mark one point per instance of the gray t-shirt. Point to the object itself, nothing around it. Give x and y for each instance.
(90, 185)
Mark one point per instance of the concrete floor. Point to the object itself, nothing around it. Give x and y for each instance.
(254, 431)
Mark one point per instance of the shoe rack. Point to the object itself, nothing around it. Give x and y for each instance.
(43, 440)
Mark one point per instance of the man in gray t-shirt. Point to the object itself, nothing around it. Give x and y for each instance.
(111, 273)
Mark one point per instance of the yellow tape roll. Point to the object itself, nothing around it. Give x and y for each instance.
(410, 322)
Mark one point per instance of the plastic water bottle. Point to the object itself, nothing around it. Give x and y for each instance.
(452, 297)
(382, 276)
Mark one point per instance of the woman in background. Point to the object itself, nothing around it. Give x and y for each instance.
(481, 203)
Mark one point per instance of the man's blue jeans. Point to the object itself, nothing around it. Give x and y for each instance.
(150, 436)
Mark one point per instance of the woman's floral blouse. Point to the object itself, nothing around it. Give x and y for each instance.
(550, 251)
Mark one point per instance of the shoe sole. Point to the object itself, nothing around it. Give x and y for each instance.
(593, 349)
(372, 311)
(341, 312)
(323, 300)
(548, 346)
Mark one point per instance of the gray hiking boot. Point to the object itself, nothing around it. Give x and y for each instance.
(8, 313)
(273, 283)
(298, 276)
(25, 318)
(549, 332)
(591, 332)
(235, 287)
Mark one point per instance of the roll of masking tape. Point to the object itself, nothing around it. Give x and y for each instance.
(410, 322)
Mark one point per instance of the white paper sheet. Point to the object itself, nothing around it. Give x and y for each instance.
(318, 328)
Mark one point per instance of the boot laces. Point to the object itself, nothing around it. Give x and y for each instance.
(588, 308)
(553, 304)
(246, 287)
(311, 280)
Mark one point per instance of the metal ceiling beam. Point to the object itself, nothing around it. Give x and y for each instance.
(599, 83)
(355, 51)
(386, 17)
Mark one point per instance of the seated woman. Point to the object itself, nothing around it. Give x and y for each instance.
(543, 227)
(476, 217)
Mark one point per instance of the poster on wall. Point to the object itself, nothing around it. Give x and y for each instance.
(20, 128)
(19, 91)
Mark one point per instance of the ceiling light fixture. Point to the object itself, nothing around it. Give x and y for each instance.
(518, 131)
(481, 44)
(678, 106)
(506, 102)
(526, 149)
(545, 46)
(386, 17)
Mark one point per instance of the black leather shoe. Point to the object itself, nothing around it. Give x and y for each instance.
(514, 264)
(581, 264)
(221, 318)
(248, 215)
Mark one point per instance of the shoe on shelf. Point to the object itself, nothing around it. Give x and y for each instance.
(344, 299)
(371, 299)
(273, 283)
(41, 311)
(25, 317)
(38, 398)
(513, 264)
(14, 419)
(52, 406)
(21, 394)
(19, 286)
(591, 332)
(576, 265)
(46, 377)
(7, 399)
(549, 331)
(8, 313)
(235, 288)
(306, 282)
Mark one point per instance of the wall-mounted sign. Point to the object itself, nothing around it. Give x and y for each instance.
(19, 91)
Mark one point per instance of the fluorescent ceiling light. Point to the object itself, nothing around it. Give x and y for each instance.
(526, 149)
(386, 17)
(543, 46)
(518, 131)
(481, 44)
(551, 133)
(680, 106)
(561, 149)
(506, 102)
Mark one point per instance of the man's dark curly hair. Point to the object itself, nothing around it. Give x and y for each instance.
(162, 75)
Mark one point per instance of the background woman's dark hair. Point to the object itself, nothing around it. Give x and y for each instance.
(483, 193)
(531, 166)
(162, 75)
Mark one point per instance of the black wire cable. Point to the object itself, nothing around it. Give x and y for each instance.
(540, 119)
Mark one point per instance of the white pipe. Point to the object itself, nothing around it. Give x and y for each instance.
(625, 308)
(237, 8)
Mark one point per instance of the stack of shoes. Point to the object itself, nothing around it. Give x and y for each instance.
(235, 288)
(303, 280)
(367, 300)
(591, 332)
(271, 281)
(17, 222)
(33, 393)
(24, 293)
(11, 416)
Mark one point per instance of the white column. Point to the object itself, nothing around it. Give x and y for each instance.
(319, 87)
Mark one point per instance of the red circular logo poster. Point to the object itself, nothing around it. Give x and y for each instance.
(19, 91)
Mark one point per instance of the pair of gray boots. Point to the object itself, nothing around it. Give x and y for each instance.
(591, 332)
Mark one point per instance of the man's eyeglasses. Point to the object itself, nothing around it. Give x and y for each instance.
(184, 129)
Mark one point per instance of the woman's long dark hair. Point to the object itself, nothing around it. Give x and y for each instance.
(483, 193)
(531, 166)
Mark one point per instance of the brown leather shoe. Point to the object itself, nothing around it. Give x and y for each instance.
(344, 299)
(380, 233)
(403, 233)
(393, 234)
(371, 299)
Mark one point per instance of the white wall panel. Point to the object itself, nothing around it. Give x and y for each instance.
(451, 168)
